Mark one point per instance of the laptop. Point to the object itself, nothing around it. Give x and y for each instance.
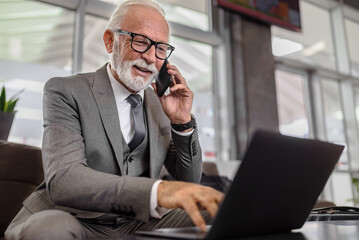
(274, 190)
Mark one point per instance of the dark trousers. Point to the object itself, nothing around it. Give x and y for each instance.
(56, 224)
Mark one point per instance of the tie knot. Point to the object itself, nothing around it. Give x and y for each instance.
(134, 99)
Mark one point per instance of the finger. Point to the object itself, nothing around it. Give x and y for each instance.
(211, 207)
(177, 87)
(173, 81)
(216, 195)
(219, 197)
(176, 73)
(178, 77)
(170, 66)
(191, 208)
(180, 88)
(154, 87)
(180, 91)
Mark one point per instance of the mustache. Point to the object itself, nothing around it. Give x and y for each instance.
(142, 63)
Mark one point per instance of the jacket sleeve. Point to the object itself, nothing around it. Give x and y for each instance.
(69, 180)
(184, 157)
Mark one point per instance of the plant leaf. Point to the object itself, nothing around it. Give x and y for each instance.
(5, 106)
(11, 105)
(8, 106)
(2, 99)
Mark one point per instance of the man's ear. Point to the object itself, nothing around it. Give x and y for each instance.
(108, 39)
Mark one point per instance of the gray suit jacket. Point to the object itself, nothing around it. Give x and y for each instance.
(83, 155)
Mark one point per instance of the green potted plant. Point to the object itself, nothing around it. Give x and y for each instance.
(355, 182)
(7, 113)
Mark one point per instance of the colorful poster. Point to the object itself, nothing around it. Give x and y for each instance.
(283, 13)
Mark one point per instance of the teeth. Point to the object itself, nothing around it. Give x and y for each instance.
(143, 69)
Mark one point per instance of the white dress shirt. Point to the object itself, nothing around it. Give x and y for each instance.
(128, 131)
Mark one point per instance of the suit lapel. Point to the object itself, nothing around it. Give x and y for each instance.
(107, 107)
(152, 120)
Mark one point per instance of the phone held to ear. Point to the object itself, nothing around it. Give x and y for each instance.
(164, 80)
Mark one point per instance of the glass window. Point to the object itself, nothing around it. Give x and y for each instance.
(352, 30)
(187, 12)
(314, 45)
(356, 97)
(35, 45)
(94, 51)
(343, 194)
(194, 60)
(334, 123)
(293, 119)
(34, 32)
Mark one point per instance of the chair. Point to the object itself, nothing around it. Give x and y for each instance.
(20, 173)
(323, 203)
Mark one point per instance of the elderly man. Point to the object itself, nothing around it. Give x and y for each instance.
(106, 137)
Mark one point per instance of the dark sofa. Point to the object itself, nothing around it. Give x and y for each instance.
(20, 173)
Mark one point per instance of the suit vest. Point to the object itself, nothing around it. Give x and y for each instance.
(136, 163)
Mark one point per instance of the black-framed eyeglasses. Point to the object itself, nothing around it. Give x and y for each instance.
(141, 44)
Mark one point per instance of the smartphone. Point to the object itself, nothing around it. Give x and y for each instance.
(164, 80)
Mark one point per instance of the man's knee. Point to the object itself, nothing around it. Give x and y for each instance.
(48, 224)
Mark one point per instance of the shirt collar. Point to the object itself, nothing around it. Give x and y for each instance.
(120, 91)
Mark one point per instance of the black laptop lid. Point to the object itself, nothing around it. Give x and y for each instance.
(276, 186)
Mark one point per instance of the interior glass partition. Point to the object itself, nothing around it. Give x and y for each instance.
(356, 95)
(342, 187)
(327, 52)
(334, 118)
(194, 60)
(187, 12)
(34, 32)
(35, 45)
(314, 45)
(94, 51)
(352, 31)
(292, 112)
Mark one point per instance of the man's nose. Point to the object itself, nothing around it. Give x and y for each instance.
(150, 55)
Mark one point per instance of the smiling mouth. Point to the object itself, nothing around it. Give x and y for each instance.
(142, 69)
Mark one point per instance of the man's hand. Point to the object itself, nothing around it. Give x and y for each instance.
(190, 197)
(178, 103)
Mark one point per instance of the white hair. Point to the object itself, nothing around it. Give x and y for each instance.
(119, 14)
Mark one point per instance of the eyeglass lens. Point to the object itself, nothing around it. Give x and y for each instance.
(141, 44)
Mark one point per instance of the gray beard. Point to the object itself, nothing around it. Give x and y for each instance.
(123, 70)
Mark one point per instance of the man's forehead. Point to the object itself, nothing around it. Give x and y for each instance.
(146, 21)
